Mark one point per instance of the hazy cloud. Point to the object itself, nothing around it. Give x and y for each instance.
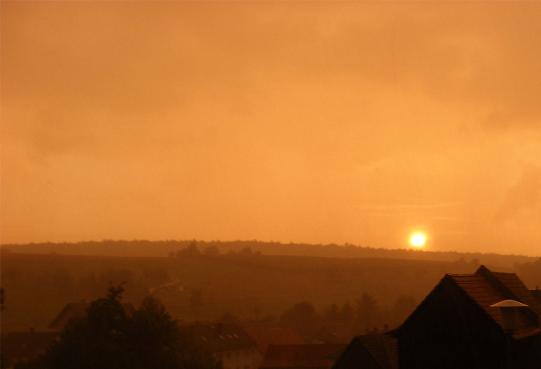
(269, 120)
(523, 199)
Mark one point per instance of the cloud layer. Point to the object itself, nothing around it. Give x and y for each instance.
(315, 122)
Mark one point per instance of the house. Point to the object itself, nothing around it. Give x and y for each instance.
(77, 310)
(371, 351)
(73, 310)
(484, 320)
(337, 332)
(24, 346)
(536, 294)
(265, 334)
(302, 356)
(19, 347)
(227, 342)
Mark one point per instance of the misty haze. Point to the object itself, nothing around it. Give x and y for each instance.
(270, 185)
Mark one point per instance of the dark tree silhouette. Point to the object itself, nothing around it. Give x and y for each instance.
(402, 308)
(368, 313)
(332, 313)
(301, 317)
(192, 250)
(196, 301)
(211, 251)
(347, 314)
(115, 336)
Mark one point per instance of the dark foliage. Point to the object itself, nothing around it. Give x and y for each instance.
(175, 248)
(115, 336)
(302, 317)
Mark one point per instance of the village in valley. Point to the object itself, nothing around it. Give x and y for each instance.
(270, 184)
(481, 319)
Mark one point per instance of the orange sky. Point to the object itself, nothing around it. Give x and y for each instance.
(316, 122)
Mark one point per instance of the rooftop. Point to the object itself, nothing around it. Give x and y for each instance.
(219, 337)
(302, 356)
(265, 335)
(26, 345)
(488, 288)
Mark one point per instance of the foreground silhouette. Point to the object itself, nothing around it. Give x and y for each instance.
(481, 320)
(113, 335)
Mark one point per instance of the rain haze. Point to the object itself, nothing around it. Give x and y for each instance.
(290, 121)
(270, 184)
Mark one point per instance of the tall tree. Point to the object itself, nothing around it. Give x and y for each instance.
(368, 313)
(301, 317)
(114, 336)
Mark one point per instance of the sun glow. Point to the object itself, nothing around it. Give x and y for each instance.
(417, 240)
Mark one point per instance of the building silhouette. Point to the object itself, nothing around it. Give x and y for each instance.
(484, 320)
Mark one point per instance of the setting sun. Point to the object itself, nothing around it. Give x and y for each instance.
(417, 240)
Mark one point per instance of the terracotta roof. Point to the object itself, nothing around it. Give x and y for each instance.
(219, 337)
(265, 335)
(304, 356)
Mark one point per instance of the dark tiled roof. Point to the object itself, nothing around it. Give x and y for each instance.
(375, 351)
(536, 294)
(383, 348)
(482, 292)
(486, 288)
(219, 337)
(304, 356)
(77, 310)
(515, 289)
(74, 310)
(265, 335)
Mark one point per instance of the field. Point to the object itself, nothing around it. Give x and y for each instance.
(203, 287)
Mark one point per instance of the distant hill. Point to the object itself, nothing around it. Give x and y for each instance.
(164, 248)
(201, 281)
(206, 287)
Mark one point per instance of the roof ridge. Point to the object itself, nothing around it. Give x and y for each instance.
(483, 309)
(501, 272)
(491, 278)
(375, 357)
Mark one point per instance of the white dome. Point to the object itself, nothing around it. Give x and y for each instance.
(509, 304)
